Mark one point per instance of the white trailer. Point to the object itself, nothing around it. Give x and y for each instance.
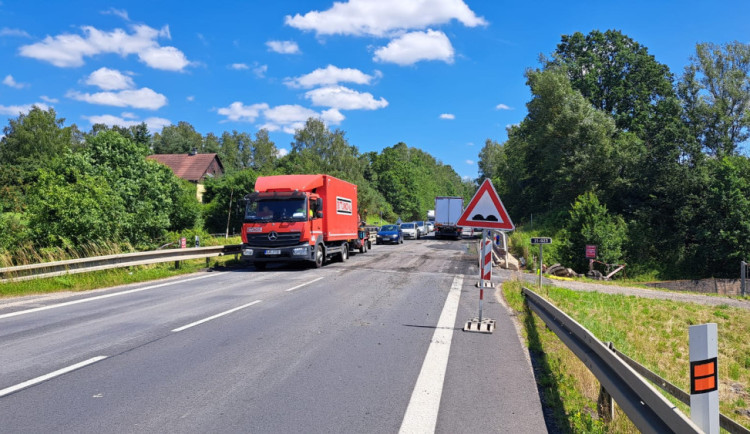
(448, 209)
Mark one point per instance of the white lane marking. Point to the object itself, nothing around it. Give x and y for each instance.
(59, 372)
(300, 286)
(179, 329)
(99, 297)
(422, 412)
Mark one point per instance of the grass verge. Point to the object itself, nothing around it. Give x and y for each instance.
(107, 278)
(652, 332)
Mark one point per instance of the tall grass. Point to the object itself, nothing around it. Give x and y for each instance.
(28, 254)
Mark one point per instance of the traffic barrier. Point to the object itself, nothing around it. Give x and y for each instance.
(84, 265)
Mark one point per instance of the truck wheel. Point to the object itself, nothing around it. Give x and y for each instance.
(363, 247)
(344, 252)
(319, 257)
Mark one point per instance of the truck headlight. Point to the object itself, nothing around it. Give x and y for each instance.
(247, 252)
(300, 251)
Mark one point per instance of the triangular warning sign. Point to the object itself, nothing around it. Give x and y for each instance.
(486, 210)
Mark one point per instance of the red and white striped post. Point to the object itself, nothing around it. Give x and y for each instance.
(485, 273)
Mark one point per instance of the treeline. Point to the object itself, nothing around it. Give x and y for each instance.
(616, 151)
(61, 188)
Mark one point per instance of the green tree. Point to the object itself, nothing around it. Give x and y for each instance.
(562, 148)
(223, 198)
(715, 92)
(70, 206)
(591, 223)
(264, 152)
(177, 139)
(35, 138)
(618, 76)
(720, 239)
(155, 199)
(316, 149)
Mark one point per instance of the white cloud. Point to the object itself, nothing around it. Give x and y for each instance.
(331, 75)
(283, 47)
(190, 98)
(128, 115)
(143, 98)
(260, 71)
(69, 50)
(448, 116)
(502, 107)
(11, 82)
(6, 31)
(110, 79)
(15, 110)
(343, 98)
(239, 66)
(413, 47)
(154, 124)
(280, 152)
(122, 13)
(383, 17)
(287, 118)
(45, 98)
(470, 162)
(237, 111)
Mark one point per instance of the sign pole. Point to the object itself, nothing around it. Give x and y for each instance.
(482, 254)
(540, 265)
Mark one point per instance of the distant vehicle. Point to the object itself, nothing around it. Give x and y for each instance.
(448, 210)
(469, 232)
(410, 230)
(430, 227)
(390, 234)
(431, 215)
(422, 228)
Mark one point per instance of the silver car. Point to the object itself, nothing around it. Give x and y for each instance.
(410, 230)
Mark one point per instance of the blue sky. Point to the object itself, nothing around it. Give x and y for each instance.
(440, 75)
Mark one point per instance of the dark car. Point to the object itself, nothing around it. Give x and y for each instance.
(390, 234)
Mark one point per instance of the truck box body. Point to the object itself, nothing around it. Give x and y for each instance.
(290, 216)
(448, 210)
(340, 221)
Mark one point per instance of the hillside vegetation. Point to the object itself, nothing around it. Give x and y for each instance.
(617, 152)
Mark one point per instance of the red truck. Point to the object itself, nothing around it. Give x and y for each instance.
(301, 218)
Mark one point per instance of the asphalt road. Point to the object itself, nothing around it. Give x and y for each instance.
(370, 345)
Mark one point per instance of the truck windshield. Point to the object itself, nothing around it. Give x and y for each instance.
(276, 210)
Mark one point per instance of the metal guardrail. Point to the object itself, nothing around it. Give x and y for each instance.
(649, 410)
(83, 265)
(724, 421)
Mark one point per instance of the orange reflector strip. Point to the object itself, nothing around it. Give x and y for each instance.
(703, 376)
(704, 370)
(705, 384)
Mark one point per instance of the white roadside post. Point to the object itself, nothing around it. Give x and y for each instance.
(704, 377)
(541, 241)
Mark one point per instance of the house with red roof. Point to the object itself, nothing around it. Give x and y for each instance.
(193, 167)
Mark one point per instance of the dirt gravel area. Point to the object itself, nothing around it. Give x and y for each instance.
(626, 290)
